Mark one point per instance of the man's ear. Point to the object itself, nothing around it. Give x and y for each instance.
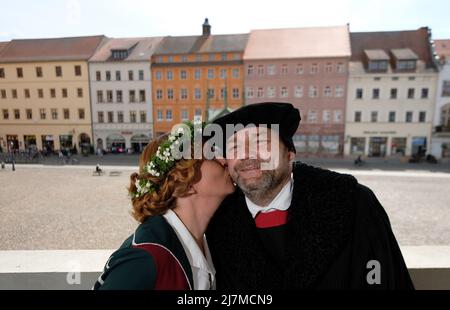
(291, 156)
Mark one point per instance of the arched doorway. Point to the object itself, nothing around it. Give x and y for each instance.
(84, 143)
(115, 143)
(138, 142)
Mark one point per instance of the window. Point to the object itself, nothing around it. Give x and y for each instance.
(77, 70)
(109, 96)
(110, 117)
(260, 92)
(376, 93)
(249, 92)
(395, 78)
(143, 116)
(406, 65)
(19, 72)
(183, 75)
(184, 115)
(198, 112)
(260, 71)
(223, 93)
(314, 69)
(339, 91)
(326, 116)
(29, 113)
(211, 57)
(445, 88)
(357, 116)
(99, 96)
(40, 93)
(197, 93)
(80, 92)
(374, 116)
(299, 69)
(284, 70)
(169, 75)
(411, 92)
(58, 71)
(210, 74)
(142, 95)
(284, 92)
(170, 59)
(198, 57)
(327, 91)
(409, 117)
(328, 67)
(223, 73)
(224, 56)
(159, 94)
(52, 93)
(132, 116)
(235, 93)
(54, 113)
(170, 93)
(14, 93)
(141, 75)
(98, 75)
(337, 116)
(184, 94)
(392, 117)
(197, 74)
(38, 71)
(64, 92)
(119, 97)
(159, 115)
(394, 92)
(3, 92)
(250, 70)
(119, 116)
(16, 114)
(81, 114)
(298, 91)
(2, 73)
(312, 91)
(211, 93)
(169, 115)
(271, 91)
(270, 69)
(184, 58)
(101, 118)
(5, 114)
(43, 113)
(132, 96)
(118, 76)
(378, 65)
(26, 93)
(377, 78)
(130, 75)
(108, 75)
(312, 117)
(359, 93)
(424, 94)
(340, 68)
(158, 75)
(66, 113)
(422, 116)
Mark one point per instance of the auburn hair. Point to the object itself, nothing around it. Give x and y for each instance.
(176, 183)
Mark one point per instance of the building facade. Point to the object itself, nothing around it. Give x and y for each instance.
(44, 93)
(192, 75)
(391, 94)
(308, 68)
(441, 124)
(121, 94)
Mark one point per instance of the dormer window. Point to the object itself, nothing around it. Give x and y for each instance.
(119, 54)
(376, 60)
(404, 59)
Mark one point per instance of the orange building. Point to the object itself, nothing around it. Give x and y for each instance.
(196, 76)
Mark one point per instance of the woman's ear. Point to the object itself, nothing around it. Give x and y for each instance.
(191, 191)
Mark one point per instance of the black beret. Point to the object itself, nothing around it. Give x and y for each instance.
(266, 113)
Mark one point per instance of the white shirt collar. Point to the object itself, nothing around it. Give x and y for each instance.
(195, 256)
(281, 202)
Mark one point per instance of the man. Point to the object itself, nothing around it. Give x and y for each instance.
(295, 226)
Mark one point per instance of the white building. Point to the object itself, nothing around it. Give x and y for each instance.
(121, 94)
(391, 94)
(441, 131)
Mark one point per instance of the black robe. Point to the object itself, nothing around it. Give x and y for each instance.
(335, 227)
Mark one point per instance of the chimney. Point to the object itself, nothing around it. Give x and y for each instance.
(206, 28)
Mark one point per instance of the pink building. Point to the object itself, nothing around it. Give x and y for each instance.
(308, 68)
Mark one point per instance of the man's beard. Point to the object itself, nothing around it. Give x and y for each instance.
(264, 185)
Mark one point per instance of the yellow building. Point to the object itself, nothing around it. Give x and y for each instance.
(44, 93)
(195, 76)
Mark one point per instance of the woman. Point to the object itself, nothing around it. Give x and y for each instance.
(174, 201)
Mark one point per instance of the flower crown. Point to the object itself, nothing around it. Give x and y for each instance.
(166, 156)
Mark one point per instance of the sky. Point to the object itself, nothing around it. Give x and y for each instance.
(21, 19)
